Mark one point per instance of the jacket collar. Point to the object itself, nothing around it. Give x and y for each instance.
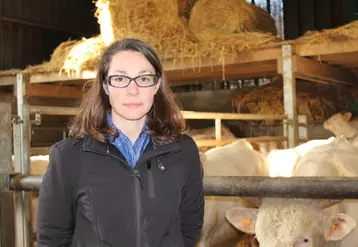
(91, 144)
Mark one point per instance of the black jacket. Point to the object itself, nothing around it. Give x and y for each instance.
(90, 197)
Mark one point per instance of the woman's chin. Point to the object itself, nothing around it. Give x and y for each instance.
(133, 117)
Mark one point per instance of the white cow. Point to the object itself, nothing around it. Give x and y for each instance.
(235, 159)
(307, 222)
(282, 161)
(342, 124)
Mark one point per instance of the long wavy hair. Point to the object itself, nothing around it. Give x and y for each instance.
(165, 121)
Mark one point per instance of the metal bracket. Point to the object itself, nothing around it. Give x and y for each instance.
(37, 118)
(16, 120)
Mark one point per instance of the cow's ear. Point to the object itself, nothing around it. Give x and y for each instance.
(338, 227)
(243, 219)
(347, 116)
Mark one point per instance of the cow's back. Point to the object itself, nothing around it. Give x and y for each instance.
(337, 158)
(236, 159)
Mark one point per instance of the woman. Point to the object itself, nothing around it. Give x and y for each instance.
(128, 176)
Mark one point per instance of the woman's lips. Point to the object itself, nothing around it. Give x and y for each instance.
(132, 105)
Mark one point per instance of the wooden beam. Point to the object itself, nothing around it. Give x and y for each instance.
(55, 110)
(217, 73)
(56, 91)
(337, 58)
(306, 68)
(255, 62)
(244, 57)
(212, 143)
(57, 77)
(230, 116)
(7, 80)
(330, 47)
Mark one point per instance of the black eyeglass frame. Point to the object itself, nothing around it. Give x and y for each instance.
(156, 78)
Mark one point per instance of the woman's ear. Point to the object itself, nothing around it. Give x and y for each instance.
(105, 88)
(157, 86)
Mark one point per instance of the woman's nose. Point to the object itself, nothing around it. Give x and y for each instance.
(132, 88)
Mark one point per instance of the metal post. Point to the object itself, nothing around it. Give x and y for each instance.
(289, 95)
(22, 164)
(303, 128)
(7, 227)
(218, 129)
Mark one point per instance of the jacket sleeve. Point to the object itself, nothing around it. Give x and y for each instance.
(192, 204)
(55, 222)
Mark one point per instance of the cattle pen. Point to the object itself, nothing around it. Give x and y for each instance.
(312, 62)
(26, 97)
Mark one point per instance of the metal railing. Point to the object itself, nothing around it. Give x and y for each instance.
(245, 186)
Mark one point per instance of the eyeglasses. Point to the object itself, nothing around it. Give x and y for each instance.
(122, 81)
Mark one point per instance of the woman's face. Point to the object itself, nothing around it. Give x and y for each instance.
(131, 102)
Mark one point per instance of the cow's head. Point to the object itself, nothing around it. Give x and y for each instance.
(339, 124)
(292, 222)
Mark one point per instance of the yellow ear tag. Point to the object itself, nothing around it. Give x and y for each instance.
(331, 230)
(246, 223)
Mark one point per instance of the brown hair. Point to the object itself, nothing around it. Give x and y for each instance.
(164, 120)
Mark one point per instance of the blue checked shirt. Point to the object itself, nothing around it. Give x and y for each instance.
(130, 151)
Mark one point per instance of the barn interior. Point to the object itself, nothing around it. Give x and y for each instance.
(269, 71)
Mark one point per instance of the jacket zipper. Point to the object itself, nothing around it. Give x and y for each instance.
(151, 190)
(138, 185)
(138, 205)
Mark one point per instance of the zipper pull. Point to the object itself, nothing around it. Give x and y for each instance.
(149, 164)
(107, 149)
(160, 165)
(137, 174)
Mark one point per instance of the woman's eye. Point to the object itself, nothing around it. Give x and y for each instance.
(118, 79)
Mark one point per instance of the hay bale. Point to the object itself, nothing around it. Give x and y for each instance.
(225, 27)
(165, 30)
(268, 99)
(84, 55)
(230, 16)
(72, 56)
(340, 34)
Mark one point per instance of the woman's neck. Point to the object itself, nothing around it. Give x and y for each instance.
(131, 129)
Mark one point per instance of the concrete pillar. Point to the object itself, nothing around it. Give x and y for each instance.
(7, 227)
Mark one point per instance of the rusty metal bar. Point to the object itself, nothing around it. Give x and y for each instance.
(274, 187)
(25, 183)
(281, 187)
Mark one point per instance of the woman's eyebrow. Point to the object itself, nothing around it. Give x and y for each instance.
(146, 71)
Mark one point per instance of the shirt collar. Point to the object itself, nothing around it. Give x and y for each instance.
(111, 124)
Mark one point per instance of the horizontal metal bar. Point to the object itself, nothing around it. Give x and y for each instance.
(20, 182)
(282, 187)
(274, 187)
